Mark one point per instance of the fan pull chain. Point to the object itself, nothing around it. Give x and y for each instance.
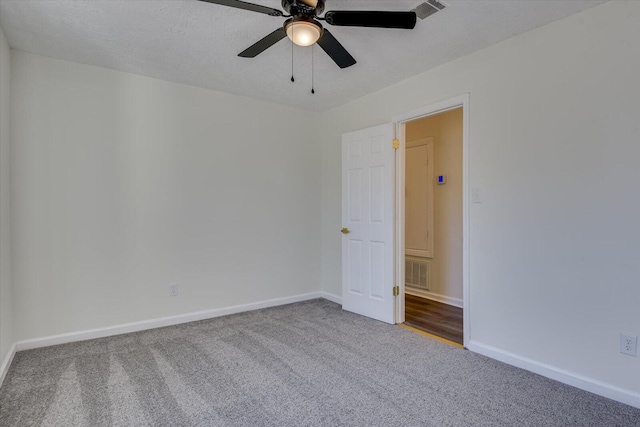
(312, 89)
(292, 79)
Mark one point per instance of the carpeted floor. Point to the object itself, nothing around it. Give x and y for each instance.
(305, 364)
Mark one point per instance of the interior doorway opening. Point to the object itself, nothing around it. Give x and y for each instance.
(432, 254)
(373, 216)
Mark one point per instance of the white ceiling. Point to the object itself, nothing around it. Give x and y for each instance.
(196, 43)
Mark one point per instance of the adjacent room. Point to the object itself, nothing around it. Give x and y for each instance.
(433, 225)
(319, 212)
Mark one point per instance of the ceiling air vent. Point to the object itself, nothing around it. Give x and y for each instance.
(427, 9)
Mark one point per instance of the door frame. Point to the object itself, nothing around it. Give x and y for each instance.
(400, 122)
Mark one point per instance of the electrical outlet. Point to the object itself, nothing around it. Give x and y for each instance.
(628, 344)
(173, 290)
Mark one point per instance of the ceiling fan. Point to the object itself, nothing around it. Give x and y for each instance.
(304, 29)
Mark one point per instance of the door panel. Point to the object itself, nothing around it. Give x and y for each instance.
(377, 270)
(354, 266)
(368, 162)
(377, 193)
(355, 203)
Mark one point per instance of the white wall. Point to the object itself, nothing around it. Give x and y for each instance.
(6, 324)
(446, 263)
(555, 147)
(124, 184)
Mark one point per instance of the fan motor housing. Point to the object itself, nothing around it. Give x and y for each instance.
(303, 7)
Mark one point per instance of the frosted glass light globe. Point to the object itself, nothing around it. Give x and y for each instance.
(303, 33)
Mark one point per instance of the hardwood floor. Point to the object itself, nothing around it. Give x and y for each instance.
(434, 317)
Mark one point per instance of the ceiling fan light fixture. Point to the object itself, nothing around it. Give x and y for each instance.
(310, 3)
(303, 32)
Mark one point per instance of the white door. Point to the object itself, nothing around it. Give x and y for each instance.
(418, 196)
(368, 161)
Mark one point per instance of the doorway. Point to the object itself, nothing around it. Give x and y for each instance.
(433, 224)
(373, 217)
(432, 216)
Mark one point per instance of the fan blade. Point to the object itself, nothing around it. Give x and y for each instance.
(264, 44)
(353, 18)
(335, 50)
(246, 6)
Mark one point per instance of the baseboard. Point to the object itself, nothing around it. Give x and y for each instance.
(591, 385)
(456, 302)
(331, 297)
(159, 323)
(4, 368)
(588, 384)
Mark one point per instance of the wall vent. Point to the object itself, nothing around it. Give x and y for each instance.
(416, 274)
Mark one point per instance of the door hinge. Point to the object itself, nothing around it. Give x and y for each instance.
(396, 291)
(395, 144)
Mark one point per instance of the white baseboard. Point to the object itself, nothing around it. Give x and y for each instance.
(159, 323)
(456, 302)
(576, 380)
(331, 297)
(588, 384)
(4, 368)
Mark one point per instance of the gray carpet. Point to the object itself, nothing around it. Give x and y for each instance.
(305, 364)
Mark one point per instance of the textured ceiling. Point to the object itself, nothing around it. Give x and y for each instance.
(196, 43)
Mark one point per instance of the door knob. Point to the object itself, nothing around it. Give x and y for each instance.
(345, 231)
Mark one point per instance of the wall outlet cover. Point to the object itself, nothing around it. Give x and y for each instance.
(173, 290)
(476, 195)
(628, 344)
